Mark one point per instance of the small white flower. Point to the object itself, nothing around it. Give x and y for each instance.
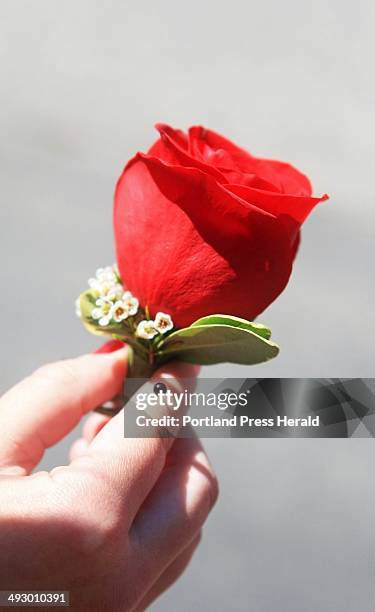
(119, 311)
(113, 303)
(114, 292)
(146, 330)
(163, 322)
(106, 274)
(131, 303)
(78, 307)
(103, 311)
(105, 281)
(103, 288)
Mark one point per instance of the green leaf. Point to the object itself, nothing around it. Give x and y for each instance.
(208, 344)
(220, 319)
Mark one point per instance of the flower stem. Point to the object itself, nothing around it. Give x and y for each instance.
(138, 372)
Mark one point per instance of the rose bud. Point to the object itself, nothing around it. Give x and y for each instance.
(201, 226)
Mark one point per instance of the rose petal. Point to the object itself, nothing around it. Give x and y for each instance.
(186, 244)
(227, 156)
(172, 149)
(277, 204)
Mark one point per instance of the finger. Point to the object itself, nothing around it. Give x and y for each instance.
(94, 423)
(131, 466)
(170, 575)
(91, 428)
(44, 407)
(176, 509)
(78, 448)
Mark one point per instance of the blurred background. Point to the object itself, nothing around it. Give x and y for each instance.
(82, 83)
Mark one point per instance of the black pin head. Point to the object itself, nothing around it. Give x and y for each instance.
(160, 388)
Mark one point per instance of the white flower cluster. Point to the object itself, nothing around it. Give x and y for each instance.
(148, 329)
(113, 304)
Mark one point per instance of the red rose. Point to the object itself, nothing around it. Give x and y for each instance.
(201, 226)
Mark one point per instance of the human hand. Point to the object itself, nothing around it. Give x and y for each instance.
(119, 524)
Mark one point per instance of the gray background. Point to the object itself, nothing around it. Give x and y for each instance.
(82, 83)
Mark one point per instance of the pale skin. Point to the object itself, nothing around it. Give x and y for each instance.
(119, 524)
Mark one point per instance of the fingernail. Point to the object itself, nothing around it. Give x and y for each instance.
(121, 354)
(110, 347)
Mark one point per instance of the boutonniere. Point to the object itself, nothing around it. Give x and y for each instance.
(201, 227)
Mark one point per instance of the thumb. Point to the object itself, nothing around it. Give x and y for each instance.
(46, 406)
